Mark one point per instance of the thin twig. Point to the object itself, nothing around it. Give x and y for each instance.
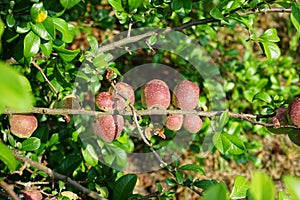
(55, 175)
(9, 189)
(269, 10)
(61, 111)
(45, 77)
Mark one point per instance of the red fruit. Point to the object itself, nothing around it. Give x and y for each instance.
(186, 95)
(125, 90)
(192, 123)
(156, 94)
(109, 127)
(23, 125)
(104, 101)
(32, 195)
(174, 122)
(294, 111)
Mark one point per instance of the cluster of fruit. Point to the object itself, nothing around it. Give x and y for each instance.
(155, 94)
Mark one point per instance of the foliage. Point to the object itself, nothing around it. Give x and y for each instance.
(56, 63)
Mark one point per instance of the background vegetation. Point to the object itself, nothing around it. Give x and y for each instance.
(44, 44)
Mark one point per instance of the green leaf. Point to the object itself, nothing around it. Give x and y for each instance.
(93, 42)
(10, 20)
(295, 16)
(65, 54)
(67, 4)
(271, 50)
(292, 184)
(31, 144)
(224, 118)
(216, 13)
(204, 184)
(46, 47)
(124, 187)
(89, 155)
(134, 4)
(240, 188)
(40, 30)
(182, 8)
(14, 94)
(218, 191)
(116, 4)
(226, 142)
(261, 183)
(100, 61)
(31, 44)
(61, 79)
(170, 181)
(67, 30)
(283, 196)
(270, 35)
(7, 157)
(262, 96)
(38, 12)
(179, 177)
(192, 167)
(49, 26)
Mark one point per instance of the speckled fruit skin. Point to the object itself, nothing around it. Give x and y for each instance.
(186, 95)
(109, 127)
(280, 119)
(23, 125)
(125, 90)
(156, 94)
(192, 123)
(104, 101)
(294, 111)
(174, 122)
(32, 195)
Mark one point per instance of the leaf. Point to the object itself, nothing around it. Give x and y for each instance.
(65, 54)
(292, 184)
(7, 157)
(240, 188)
(218, 191)
(262, 96)
(38, 12)
(179, 177)
(295, 16)
(14, 94)
(216, 13)
(89, 155)
(170, 181)
(10, 20)
(225, 142)
(283, 196)
(116, 4)
(270, 35)
(67, 30)
(61, 79)
(192, 167)
(224, 118)
(31, 44)
(40, 30)
(124, 187)
(93, 42)
(271, 50)
(182, 8)
(134, 4)
(261, 183)
(204, 184)
(46, 47)
(31, 144)
(67, 4)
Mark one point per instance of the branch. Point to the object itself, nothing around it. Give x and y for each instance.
(269, 10)
(155, 111)
(9, 189)
(45, 77)
(58, 176)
